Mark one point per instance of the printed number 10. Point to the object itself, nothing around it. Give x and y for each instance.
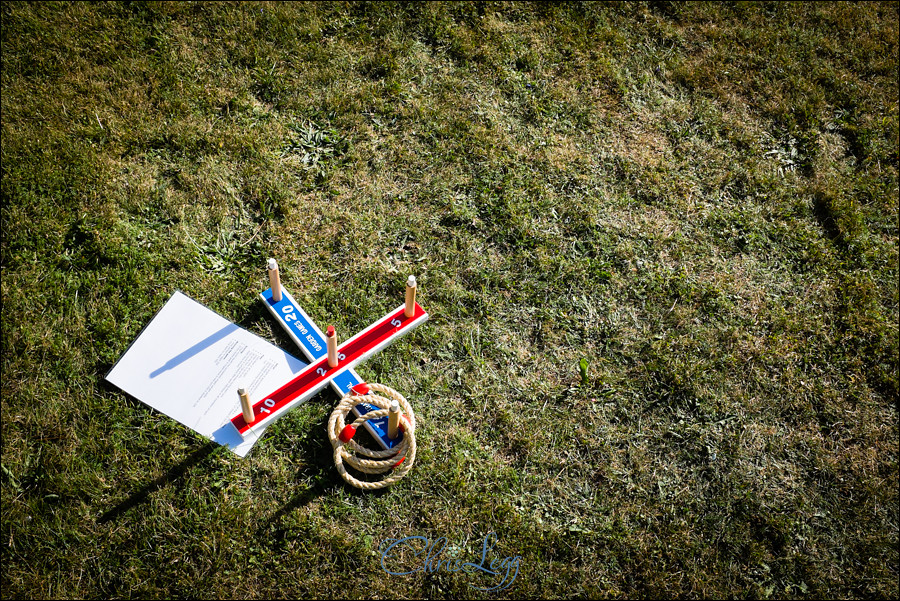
(267, 406)
(288, 310)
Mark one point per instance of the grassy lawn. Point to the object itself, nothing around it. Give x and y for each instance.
(658, 243)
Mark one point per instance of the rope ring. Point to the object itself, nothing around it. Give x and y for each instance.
(366, 460)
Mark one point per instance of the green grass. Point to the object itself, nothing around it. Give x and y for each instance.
(658, 243)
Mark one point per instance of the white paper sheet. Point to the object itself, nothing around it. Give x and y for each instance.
(189, 362)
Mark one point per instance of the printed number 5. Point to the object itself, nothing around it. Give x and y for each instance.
(396, 323)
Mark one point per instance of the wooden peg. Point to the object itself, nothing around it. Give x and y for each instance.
(331, 341)
(393, 419)
(275, 280)
(410, 309)
(246, 407)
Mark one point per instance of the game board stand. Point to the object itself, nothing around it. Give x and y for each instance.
(311, 341)
(331, 363)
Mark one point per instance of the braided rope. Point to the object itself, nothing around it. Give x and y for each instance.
(379, 462)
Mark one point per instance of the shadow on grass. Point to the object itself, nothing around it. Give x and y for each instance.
(173, 475)
(255, 314)
(301, 500)
(318, 465)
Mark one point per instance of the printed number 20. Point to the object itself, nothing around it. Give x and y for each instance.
(289, 316)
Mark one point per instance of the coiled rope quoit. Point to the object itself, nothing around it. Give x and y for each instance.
(379, 462)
